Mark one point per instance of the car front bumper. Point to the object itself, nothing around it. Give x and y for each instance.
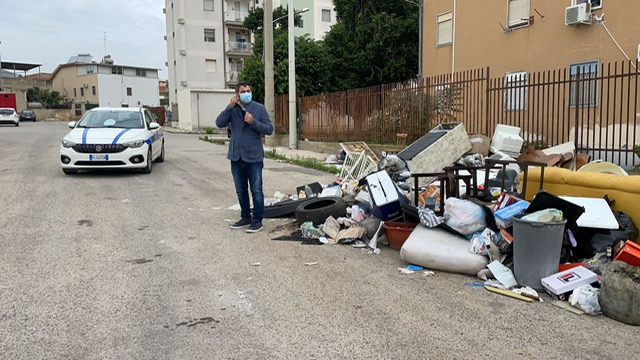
(127, 159)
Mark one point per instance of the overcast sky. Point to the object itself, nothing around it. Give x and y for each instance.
(49, 32)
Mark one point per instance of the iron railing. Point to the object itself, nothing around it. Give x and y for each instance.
(596, 110)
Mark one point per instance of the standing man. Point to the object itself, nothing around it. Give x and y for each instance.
(248, 121)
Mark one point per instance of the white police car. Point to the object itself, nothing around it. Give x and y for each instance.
(112, 138)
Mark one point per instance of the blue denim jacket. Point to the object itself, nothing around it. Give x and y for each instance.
(246, 140)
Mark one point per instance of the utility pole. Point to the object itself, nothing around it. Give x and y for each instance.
(269, 87)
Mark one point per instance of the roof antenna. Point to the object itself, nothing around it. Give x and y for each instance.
(105, 43)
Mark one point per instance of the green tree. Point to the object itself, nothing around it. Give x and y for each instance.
(374, 42)
(48, 99)
(312, 72)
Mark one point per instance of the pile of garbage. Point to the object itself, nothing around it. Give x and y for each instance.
(446, 208)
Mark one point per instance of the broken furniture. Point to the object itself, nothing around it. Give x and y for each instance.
(624, 190)
(451, 176)
(438, 249)
(440, 147)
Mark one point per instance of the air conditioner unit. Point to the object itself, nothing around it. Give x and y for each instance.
(577, 14)
(181, 21)
(183, 83)
(182, 52)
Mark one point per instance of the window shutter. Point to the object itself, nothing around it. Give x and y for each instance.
(445, 29)
(518, 10)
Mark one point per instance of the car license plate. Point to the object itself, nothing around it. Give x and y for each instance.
(99, 157)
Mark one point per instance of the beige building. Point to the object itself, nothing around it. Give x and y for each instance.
(513, 36)
(89, 84)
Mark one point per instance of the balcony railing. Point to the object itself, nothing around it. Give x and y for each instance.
(235, 16)
(239, 47)
(232, 76)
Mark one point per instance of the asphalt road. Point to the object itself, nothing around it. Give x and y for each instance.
(116, 265)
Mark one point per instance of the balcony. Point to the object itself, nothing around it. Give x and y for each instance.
(238, 48)
(232, 77)
(233, 17)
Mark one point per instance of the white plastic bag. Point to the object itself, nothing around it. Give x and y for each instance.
(464, 216)
(585, 298)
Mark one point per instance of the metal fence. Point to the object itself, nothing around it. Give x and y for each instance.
(594, 106)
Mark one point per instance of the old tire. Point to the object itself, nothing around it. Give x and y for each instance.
(317, 210)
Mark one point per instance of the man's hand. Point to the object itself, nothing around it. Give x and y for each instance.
(248, 118)
(234, 100)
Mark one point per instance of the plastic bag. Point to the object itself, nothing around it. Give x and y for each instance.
(585, 298)
(546, 215)
(464, 216)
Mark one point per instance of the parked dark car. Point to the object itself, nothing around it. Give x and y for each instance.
(27, 114)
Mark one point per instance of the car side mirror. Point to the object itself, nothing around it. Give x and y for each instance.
(154, 126)
(71, 124)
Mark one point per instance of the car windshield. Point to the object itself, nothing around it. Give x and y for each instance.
(6, 112)
(112, 119)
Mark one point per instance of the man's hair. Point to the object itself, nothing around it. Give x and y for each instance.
(242, 83)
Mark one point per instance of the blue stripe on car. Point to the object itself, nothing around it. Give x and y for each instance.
(84, 135)
(115, 141)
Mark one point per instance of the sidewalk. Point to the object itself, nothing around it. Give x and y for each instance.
(281, 150)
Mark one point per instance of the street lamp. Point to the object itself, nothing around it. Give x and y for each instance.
(293, 127)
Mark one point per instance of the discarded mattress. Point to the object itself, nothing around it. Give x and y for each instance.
(437, 249)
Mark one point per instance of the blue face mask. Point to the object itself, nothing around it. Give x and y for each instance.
(245, 98)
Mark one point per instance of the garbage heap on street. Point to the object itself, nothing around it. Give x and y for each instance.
(523, 221)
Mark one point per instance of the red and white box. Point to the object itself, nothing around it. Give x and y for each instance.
(560, 285)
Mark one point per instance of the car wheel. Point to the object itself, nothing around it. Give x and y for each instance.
(318, 210)
(70, 172)
(147, 169)
(161, 157)
(18, 123)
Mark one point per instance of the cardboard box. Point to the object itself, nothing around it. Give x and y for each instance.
(561, 284)
(504, 216)
(505, 199)
(630, 254)
(385, 196)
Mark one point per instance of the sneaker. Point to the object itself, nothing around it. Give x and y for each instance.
(241, 224)
(255, 227)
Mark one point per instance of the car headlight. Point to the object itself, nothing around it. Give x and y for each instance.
(68, 144)
(134, 144)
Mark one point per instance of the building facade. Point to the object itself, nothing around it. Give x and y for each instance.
(517, 36)
(207, 44)
(89, 84)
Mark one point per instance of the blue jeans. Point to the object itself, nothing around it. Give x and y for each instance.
(250, 174)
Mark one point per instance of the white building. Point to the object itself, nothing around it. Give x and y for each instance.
(207, 44)
(90, 84)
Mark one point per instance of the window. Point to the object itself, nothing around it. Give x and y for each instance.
(518, 15)
(515, 92)
(595, 4)
(211, 65)
(210, 35)
(326, 15)
(207, 5)
(93, 90)
(445, 29)
(75, 92)
(584, 84)
(129, 91)
(116, 70)
(141, 72)
(81, 91)
(90, 69)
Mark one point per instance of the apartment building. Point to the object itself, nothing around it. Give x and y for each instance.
(519, 36)
(90, 84)
(207, 44)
